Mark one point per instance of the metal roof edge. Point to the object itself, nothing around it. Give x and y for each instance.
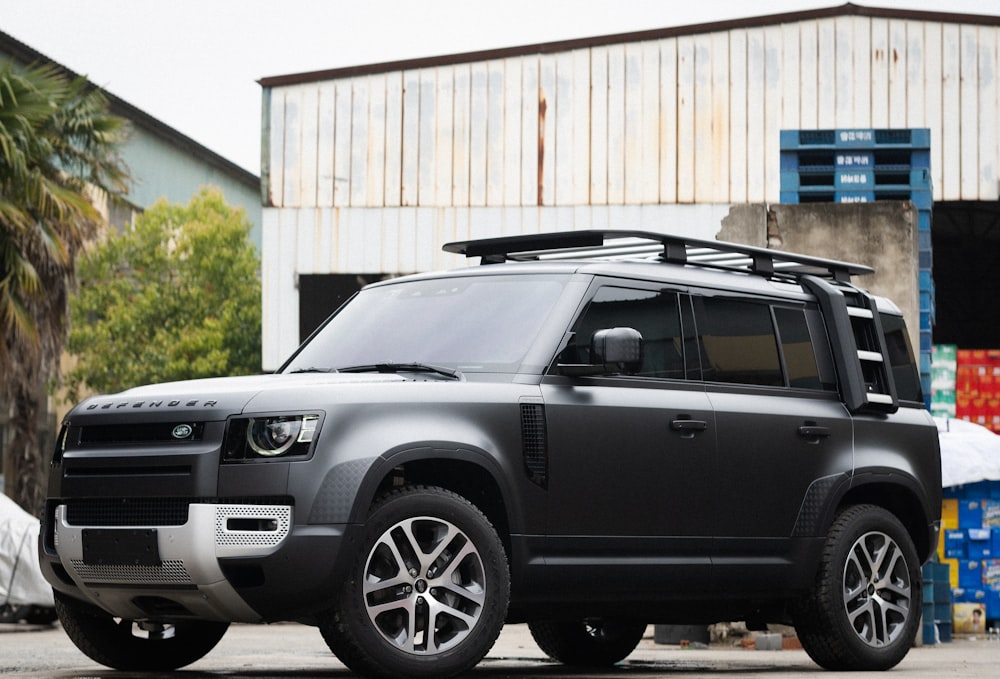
(118, 106)
(848, 9)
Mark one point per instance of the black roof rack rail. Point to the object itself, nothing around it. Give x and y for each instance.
(591, 244)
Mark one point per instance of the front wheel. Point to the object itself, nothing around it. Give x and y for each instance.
(593, 642)
(864, 609)
(137, 647)
(428, 592)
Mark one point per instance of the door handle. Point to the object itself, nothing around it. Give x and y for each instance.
(812, 431)
(687, 428)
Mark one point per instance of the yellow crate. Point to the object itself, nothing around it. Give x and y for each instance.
(952, 571)
(949, 514)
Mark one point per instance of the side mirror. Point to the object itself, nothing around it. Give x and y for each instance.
(619, 350)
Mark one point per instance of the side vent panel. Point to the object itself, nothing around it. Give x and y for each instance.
(534, 443)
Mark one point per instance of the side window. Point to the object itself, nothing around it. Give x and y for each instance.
(738, 342)
(901, 361)
(797, 349)
(653, 313)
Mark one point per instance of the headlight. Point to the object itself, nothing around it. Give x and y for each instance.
(270, 437)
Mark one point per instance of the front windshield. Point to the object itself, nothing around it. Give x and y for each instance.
(472, 324)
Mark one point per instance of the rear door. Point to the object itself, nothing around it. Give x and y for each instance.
(784, 438)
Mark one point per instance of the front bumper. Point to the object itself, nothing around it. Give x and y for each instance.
(151, 571)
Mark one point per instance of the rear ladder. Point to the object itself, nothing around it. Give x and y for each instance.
(858, 344)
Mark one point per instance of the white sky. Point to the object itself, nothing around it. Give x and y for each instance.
(194, 64)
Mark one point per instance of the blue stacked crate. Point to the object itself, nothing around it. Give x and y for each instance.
(975, 549)
(937, 605)
(861, 166)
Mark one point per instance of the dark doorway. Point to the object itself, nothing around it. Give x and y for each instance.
(966, 242)
(322, 294)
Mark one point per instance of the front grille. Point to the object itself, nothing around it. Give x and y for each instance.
(145, 432)
(128, 512)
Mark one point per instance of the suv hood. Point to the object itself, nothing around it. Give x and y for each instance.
(218, 396)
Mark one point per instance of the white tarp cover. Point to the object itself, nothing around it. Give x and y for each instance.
(21, 581)
(969, 453)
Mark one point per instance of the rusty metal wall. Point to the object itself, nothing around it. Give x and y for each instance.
(684, 119)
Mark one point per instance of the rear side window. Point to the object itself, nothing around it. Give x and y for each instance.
(738, 342)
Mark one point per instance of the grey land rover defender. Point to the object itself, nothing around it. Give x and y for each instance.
(590, 432)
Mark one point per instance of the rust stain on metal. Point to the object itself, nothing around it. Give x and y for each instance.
(542, 105)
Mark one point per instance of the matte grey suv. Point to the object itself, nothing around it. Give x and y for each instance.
(594, 431)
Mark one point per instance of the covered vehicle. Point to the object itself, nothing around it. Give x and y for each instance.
(24, 593)
(970, 453)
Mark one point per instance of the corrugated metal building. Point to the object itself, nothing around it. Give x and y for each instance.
(367, 170)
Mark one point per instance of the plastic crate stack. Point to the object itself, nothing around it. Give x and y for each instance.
(970, 548)
(977, 387)
(937, 606)
(862, 166)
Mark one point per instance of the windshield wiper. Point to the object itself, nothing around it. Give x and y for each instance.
(403, 367)
(311, 370)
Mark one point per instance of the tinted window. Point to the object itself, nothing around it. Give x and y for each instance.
(474, 324)
(738, 342)
(797, 349)
(904, 368)
(652, 313)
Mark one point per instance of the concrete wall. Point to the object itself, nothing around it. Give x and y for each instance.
(882, 235)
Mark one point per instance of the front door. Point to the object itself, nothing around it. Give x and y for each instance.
(631, 458)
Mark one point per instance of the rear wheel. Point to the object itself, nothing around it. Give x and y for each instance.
(428, 593)
(594, 642)
(126, 645)
(864, 609)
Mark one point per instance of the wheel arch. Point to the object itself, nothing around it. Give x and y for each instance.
(466, 471)
(899, 495)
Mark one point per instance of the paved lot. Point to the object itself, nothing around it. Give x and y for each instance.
(290, 651)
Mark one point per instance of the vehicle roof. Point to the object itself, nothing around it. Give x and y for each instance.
(639, 270)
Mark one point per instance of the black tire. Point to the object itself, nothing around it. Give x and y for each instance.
(587, 643)
(114, 642)
(427, 593)
(40, 615)
(864, 609)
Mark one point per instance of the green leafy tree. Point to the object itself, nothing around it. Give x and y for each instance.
(58, 148)
(177, 297)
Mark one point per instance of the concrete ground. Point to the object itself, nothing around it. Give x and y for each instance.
(296, 651)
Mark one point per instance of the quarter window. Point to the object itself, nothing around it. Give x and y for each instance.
(797, 349)
(904, 368)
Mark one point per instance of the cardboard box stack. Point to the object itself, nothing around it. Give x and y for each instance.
(944, 378)
(970, 546)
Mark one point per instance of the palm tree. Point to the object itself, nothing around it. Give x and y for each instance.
(58, 145)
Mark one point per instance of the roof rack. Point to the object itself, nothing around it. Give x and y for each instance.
(617, 244)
